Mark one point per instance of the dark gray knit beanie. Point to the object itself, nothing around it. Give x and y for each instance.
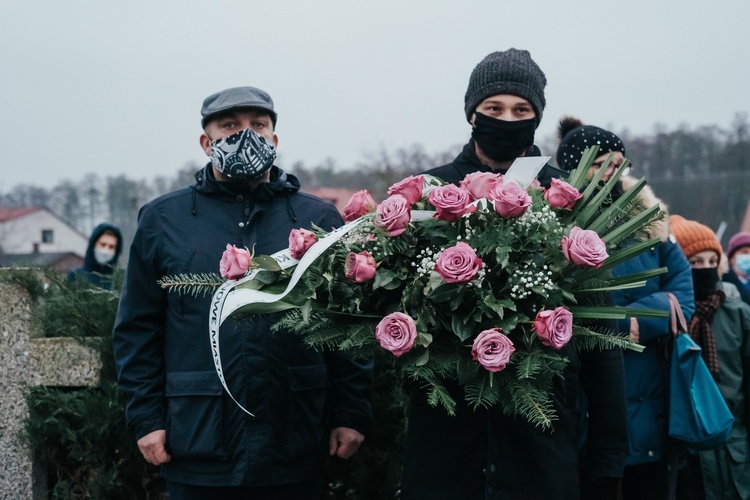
(510, 72)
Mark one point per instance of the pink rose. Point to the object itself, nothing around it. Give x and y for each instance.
(396, 333)
(234, 262)
(562, 195)
(555, 327)
(360, 267)
(359, 204)
(510, 199)
(492, 349)
(584, 248)
(410, 188)
(393, 215)
(478, 184)
(300, 240)
(458, 264)
(451, 202)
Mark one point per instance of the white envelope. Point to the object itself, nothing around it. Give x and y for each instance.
(525, 169)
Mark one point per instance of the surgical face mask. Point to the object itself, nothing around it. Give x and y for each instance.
(742, 262)
(243, 156)
(704, 282)
(103, 256)
(503, 140)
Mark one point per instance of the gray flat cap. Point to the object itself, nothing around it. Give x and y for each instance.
(236, 97)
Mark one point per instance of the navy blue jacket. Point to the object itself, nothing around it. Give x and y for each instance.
(646, 372)
(93, 272)
(163, 356)
(484, 454)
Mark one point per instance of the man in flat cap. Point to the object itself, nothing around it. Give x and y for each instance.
(306, 404)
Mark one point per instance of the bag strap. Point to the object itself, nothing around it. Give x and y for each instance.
(677, 319)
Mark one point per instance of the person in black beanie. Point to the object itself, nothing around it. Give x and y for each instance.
(504, 104)
(482, 453)
(646, 474)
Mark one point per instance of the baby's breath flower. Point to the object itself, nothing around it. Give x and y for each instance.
(528, 277)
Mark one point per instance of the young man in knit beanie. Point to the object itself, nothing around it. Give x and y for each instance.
(481, 453)
(721, 326)
(503, 104)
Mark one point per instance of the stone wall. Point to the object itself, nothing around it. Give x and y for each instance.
(26, 361)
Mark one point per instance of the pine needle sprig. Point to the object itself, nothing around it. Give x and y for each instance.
(196, 285)
(437, 394)
(320, 330)
(587, 339)
(483, 391)
(530, 401)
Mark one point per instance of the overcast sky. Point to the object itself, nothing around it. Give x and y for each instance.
(116, 87)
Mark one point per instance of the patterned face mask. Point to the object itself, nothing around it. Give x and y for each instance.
(244, 155)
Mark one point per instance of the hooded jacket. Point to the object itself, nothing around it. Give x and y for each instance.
(646, 372)
(725, 468)
(163, 356)
(98, 274)
(483, 454)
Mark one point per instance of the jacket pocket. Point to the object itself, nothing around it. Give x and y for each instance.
(308, 386)
(194, 415)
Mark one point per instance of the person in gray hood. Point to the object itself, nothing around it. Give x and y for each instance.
(307, 404)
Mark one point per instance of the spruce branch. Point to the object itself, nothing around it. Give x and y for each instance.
(588, 339)
(530, 402)
(437, 394)
(195, 285)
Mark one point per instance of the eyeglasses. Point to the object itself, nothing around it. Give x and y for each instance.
(612, 166)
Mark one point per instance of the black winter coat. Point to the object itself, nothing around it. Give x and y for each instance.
(164, 360)
(484, 454)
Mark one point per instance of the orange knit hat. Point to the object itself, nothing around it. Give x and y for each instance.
(693, 237)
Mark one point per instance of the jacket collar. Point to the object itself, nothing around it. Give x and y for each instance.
(467, 162)
(279, 183)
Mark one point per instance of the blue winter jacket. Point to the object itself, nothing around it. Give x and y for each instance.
(646, 372)
(163, 356)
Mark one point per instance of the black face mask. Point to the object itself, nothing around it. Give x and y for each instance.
(503, 140)
(704, 282)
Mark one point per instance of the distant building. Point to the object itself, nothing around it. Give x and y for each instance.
(35, 235)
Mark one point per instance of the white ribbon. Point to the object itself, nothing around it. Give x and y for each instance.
(226, 300)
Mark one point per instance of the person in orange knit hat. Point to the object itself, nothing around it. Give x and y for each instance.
(721, 326)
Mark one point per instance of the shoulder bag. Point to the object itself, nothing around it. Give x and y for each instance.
(698, 415)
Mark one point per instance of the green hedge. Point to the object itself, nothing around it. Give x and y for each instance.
(81, 434)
